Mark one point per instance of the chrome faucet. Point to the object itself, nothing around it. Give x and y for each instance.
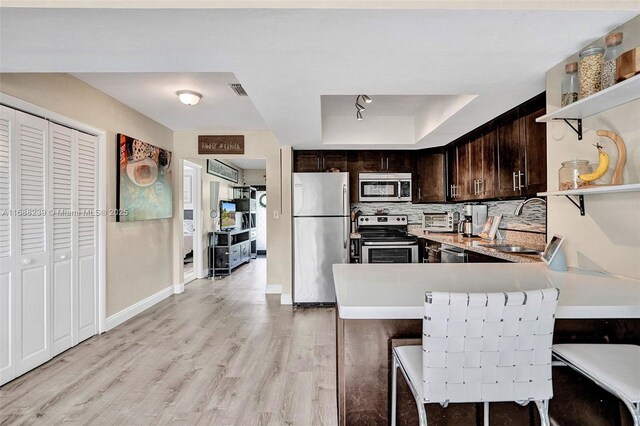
(518, 211)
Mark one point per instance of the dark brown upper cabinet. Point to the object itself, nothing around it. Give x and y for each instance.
(534, 140)
(319, 160)
(522, 150)
(481, 150)
(429, 176)
(452, 187)
(384, 161)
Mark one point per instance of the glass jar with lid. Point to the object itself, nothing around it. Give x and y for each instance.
(569, 172)
(613, 50)
(589, 70)
(570, 84)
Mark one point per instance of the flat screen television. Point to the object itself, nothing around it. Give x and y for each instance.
(227, 215)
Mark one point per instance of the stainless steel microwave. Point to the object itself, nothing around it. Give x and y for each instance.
(384, 187)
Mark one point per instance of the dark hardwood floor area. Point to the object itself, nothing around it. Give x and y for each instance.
(221, 353)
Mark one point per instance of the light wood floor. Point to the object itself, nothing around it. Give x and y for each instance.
(220, 353)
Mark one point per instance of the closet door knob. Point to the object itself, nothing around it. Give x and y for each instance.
(27, 261)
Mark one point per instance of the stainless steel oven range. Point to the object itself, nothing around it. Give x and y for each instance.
(385, 239)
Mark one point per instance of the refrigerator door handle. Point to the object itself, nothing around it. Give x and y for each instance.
(345, 229)
(345, 225)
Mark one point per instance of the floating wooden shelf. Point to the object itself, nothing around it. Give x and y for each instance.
(616, 95)
(604, 189)
(580, 193)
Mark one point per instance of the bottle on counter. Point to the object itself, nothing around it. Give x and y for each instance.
(589, 70)
(611, 53)
(570, 84)
(569, 172)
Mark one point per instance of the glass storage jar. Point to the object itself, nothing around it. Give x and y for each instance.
(570, 86)
(613, 50)
(569, 172)
(589, 70)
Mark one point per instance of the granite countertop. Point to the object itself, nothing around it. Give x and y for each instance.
(478, 245)
(396, 291)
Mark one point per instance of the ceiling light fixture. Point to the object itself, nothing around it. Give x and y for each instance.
(189, 97)
(359, 107)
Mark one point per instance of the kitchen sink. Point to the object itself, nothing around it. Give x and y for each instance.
(513, 249)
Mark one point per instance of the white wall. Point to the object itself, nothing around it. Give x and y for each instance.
(139, 258)
(255, 177)
(608, 237)
(258, 145)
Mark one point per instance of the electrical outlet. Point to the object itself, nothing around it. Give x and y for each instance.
(276, 214)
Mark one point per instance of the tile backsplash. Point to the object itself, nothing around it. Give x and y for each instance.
(533, 218)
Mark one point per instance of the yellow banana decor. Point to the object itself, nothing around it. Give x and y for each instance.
(604, 160)
(603, 166)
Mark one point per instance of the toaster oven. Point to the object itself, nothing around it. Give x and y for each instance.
(440, 222)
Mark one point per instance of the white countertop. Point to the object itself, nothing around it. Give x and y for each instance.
(396, 291)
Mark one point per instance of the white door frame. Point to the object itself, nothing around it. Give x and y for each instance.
(101, 294)
(196, 192)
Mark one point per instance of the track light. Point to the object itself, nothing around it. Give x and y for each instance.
(359, 107)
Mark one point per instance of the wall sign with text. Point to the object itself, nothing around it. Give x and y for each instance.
(221, 144)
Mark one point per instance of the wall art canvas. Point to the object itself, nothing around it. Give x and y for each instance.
(144, 181)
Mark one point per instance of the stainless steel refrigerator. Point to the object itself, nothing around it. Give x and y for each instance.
(321, 221)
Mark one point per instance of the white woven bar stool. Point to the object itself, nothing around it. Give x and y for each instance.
(615, 368)
(481, 347)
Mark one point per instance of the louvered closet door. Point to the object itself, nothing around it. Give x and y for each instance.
(61, 148)
(32, 290)
(7, 249)
(86, 178)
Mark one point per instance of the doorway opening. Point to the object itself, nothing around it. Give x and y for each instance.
(192, 222)
(238, 228)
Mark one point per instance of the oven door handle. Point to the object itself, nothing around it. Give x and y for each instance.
(395, 244)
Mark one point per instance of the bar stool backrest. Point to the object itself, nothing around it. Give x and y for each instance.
(487, 347)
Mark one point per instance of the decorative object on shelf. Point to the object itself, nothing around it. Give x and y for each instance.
(569, 172)
(616, 179)
(589, 70)
(603, 166)
(628, 64)
(570, 84)
(218, 168)
(144, 181)
(613, 50)
(221, 144)
(360, 107)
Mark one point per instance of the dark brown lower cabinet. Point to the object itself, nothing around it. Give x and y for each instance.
(364, 372)
(473, 257)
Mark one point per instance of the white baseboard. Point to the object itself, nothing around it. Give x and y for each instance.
(178, 288)
(137, 308)
(285, 299)
(273, 289)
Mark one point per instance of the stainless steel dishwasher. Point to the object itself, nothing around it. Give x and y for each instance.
(451, 254)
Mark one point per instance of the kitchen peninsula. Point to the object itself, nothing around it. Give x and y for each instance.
(381, 306)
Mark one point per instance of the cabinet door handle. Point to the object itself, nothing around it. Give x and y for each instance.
(520, 174)
(381, 163)
(476, 187)
(514, 181)
(318, 161)
(323, 166)
(387, 163)
(419, 193)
